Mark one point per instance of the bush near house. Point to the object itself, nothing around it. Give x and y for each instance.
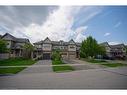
(27, 50)
(58, 65)
(3, 46)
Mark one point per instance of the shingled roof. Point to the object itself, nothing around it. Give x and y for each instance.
(61, 42)
(117, 46)
(21, 40)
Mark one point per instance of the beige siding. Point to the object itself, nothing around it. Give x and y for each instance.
(71, 47)
(47, 47)
(9, 44)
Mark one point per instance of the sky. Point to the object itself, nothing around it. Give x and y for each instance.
(104, 23)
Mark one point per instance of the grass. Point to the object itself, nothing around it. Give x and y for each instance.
(11, 70)
(104, 62)
(114, 64)
(14, 62)
(60, 68)
(94, 60)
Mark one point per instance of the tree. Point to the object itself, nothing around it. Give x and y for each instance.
(90, 48)
(3, 46)
(126, 49)
(102, 50)
(56, 54)
(28, 49)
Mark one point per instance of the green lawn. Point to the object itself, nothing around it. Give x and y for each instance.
(14, 62)
(104, 62)
(114, 64)
(60, 68)
(94, 60)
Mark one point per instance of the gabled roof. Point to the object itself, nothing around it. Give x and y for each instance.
(105, 44)
(47, 40)
(78, 44)
(61, 42)
(117, 46)
(71, 42)
(7, 34)
(21, 40)
(38, 43)
(55, 43)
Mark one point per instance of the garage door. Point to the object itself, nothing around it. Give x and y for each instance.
(72, 56)
(46, 56)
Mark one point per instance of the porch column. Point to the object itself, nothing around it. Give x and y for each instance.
(20, 52)
(32, 54)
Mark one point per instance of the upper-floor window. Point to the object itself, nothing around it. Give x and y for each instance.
(39, 46)
(46, 46)
(62, 47)
(72, 47)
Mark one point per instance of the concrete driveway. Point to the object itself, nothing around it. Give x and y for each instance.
(83, 65)
(41, 66)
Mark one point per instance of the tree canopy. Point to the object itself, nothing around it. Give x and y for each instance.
(28, 48)
(56, 54)
(90, 48)
(3, 46)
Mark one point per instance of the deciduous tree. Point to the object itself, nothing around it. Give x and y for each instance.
(3, 46)
(90, 48)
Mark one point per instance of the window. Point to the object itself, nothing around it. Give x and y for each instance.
(72, 47)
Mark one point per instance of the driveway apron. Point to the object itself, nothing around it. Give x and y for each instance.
(82, 65)
(42, 66)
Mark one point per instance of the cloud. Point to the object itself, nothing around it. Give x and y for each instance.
(20, 16)
(79, 32)
(37, 23)
(107, 34)
(86, 14)
(117, 24)
(58, 26)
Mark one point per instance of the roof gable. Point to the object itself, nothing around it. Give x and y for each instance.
(105, 44)
(71, 42)
(22, 40)
(118, 46)
(47, 40)
(8, 36)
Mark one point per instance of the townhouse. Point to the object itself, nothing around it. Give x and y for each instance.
(70, 49)
(15, 45)
(67, 49)
(115, 51)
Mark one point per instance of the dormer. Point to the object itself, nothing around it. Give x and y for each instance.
(61, 42)
(8, 37)
(71, 45)
(71, 42)
(47, 41)
(47, 45)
